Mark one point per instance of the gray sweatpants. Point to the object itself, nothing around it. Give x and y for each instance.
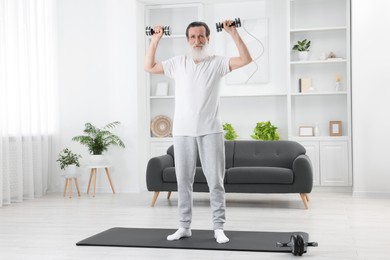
(212, 156)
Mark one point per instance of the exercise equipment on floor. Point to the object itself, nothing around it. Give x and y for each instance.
(237, 23)
(149, 30)
(297, 244)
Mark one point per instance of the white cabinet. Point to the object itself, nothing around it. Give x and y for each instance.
(326, 23)
(330, 161)
(334, 163)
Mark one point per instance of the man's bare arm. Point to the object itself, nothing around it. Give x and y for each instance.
(150, 64)
(244, 55)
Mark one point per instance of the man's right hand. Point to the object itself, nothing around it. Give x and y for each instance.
(158, 33)
(150, 64)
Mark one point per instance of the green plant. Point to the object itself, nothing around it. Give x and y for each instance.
(265, 131)
(66, 157)
(99, 140)
(302, 45)
(230, 132)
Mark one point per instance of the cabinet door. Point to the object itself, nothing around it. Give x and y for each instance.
(334, 163)
(313, 151)
(159, 148)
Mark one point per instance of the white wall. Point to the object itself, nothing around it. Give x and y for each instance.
(101, 81)
(98, 83)
(370, 97)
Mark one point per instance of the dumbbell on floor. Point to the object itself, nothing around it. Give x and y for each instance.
(149, 30)
(237, 23)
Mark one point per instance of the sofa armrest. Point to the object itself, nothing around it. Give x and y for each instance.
(303, 174)
(154, 170)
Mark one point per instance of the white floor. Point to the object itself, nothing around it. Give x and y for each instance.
(48, 227)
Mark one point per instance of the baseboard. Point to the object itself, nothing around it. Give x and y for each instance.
(341, 189)
(371, 194)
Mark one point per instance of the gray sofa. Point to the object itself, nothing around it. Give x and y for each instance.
(251, 167)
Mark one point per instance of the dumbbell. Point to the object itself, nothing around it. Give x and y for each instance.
(297, 244)
(149, 30)
(237, 23)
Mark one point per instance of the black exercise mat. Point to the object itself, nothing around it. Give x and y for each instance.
(200, 239)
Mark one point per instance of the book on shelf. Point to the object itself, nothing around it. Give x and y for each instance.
(305, 85)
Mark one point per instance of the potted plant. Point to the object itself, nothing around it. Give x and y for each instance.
(303, 49)
(99, 140)
(230, 133)
(265, 131)
(68, 161)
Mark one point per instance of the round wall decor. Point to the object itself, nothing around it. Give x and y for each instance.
(161, 126)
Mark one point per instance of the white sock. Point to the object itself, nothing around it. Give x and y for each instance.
(220, 236)
(181, 232)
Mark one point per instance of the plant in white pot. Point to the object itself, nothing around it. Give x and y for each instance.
(69, 162)
(303, 49)
(99, 140)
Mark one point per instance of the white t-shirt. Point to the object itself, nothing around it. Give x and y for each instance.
(196, 94)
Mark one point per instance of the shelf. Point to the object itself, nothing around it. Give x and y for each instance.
(162, 97)
(318, 138)
(255, 95)
(321, 29)
(161, 139)
(231, 96)
(318, 61)
(319, 93)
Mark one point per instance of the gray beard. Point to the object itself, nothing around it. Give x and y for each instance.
(198, 55)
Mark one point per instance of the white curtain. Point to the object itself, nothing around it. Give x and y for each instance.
(27, 97)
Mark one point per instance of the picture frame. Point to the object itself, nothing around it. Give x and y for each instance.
(335, 128)
(306, 131)
(162, 89)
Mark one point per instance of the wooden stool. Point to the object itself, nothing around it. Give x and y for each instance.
(93, 175)
(68, 180)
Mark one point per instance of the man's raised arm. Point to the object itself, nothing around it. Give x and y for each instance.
(245, 57)
(150, 64)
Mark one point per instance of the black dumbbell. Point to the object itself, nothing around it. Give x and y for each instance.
(149, 30)
(237, 23)
(297, 244)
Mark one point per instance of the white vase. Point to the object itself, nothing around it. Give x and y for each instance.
(317, 130)
(96, 159)
(71, 171)
(303, 55)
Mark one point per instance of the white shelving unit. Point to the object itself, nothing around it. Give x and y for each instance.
(326, 24)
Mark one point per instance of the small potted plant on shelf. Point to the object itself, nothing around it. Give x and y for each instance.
(68, 161)
(265, 131)
(303, 49)
(99, 140)
(230, 133)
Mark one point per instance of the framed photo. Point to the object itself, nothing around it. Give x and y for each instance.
(335, 128)
(306, 131)
(162, 89)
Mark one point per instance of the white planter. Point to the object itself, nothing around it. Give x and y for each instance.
(303, 55)
(96, 159)
(71, 171)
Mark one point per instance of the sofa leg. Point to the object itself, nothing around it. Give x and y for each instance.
(169, 195)
(155, 196)
(305, 199)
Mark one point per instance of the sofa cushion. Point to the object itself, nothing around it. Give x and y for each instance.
(259, 175)
(169, 175)
(229, 150)
(266, 153)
